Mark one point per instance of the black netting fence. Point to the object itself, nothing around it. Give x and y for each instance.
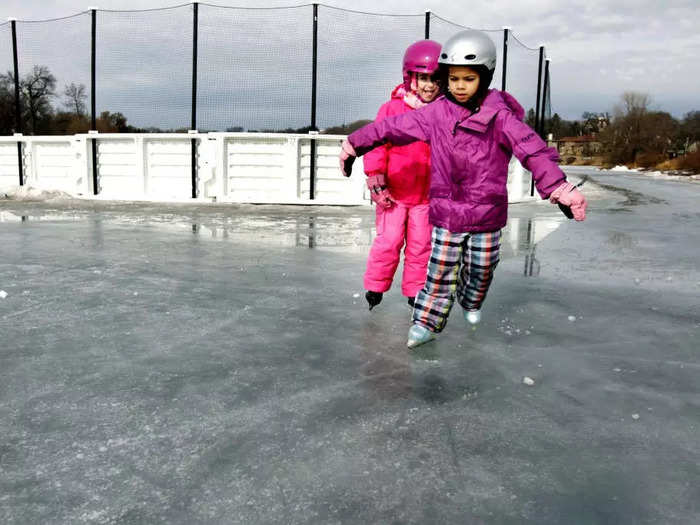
(54, 66)
(441, 30)
(360, 62)
(7, 96)
(144, 68)
(254, 68)
(521, 75)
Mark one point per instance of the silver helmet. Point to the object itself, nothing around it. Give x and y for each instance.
(469, 48)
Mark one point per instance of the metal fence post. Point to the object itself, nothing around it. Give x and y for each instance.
(545, 94)
(93, 97)
(427, 25)
(539, 91)
(312, 143)
(193, 127)
(537, 109)
(18, 106)
(505, 57)
(544, 102)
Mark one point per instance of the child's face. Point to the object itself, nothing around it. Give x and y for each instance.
(427, 87)
(463, 82)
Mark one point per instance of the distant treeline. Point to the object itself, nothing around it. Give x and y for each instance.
(632, 134)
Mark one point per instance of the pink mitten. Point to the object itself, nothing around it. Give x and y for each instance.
(347, 157)
(378, 191)
(568, 196)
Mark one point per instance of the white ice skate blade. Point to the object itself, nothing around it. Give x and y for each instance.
(472, 316)
(418, 335)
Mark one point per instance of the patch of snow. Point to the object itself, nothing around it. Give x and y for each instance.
(29, 193)
(528, 381)
(3, 294)
(571, 318)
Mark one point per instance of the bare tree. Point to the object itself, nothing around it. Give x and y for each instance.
(75, 96)
(636, 102)
(690, 129)
(38, 87)
(637, 134)
(7, 104)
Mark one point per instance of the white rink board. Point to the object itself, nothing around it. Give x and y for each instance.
(231, 167)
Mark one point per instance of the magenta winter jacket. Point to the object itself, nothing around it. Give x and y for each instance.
(470, 153)
(407, 168)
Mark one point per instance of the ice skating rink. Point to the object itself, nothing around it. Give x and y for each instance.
(190, 364)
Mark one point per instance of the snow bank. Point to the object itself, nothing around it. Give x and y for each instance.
(28, 193)
(671, 176)
(667, 175)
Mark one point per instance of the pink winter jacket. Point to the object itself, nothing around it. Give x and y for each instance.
(470, 154)
(407, 168)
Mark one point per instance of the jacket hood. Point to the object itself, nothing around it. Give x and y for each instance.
(498, 100)
(495, 102)
(398, 92)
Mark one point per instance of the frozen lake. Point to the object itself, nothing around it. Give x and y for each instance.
(218, 364)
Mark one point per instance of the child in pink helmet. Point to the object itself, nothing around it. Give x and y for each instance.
(398, 178)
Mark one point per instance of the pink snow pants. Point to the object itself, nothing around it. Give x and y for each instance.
(398, 225)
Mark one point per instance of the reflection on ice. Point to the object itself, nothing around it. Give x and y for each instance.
(520, 235)
(532, 265)
(308, 230)
(6, 216)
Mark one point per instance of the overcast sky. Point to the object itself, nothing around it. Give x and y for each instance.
(598, 49)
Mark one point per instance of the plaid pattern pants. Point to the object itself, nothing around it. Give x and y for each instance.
(461, 265)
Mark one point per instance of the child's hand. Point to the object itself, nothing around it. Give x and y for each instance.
(378, 191)
(347, 157)
(567, 196)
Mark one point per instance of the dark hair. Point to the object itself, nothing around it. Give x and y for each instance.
(485, 78)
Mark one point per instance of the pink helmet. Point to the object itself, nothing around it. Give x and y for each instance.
(420, 57)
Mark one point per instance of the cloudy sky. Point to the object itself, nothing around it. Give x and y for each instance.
(598, 49)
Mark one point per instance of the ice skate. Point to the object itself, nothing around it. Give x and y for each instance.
(419, 335)
(472, 316)
(412, 302)
(373, 298)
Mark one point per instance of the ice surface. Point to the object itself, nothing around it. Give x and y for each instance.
(241, 385)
